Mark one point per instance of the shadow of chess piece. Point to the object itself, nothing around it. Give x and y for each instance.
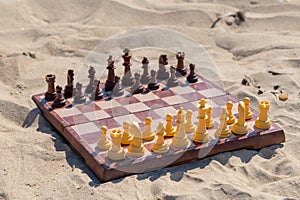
(137, 88)
(162, 73)
(97, 94)
(172, 81)
(50, 94)
(192, 78)
(127, 79)
(118, 90)
(59, 101)
(90, 87)
(68, 92)
(181, 70)
(79, 96)
(110, 82)
(154, 84)
(145, 78)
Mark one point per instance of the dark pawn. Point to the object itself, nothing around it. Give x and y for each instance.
(90, 87)
(79, 96)
(154, 84)
(59, 101)
(192, 78)
(50, 94)
(162, 73)
(118, 90)
(181, 70)
(137, 87)
(97, 94)
(172, 81)
(68, 93)
(145, 78)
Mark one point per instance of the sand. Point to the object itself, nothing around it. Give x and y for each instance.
(39, 36)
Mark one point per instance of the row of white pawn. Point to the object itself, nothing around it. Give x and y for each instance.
(133, 136)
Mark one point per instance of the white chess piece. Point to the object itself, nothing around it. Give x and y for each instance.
(180, 139)
(148, 134)
(160, 146)
(103, 143)
(189, 125)
(201, 134)
(241, 126)
(136, 147)
(116, 152)
(223, 130)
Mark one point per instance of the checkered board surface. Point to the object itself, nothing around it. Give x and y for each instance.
(80, 124)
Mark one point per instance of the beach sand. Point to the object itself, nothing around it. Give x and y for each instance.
(37, 163)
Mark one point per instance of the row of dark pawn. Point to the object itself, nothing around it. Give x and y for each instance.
(93, 88)
(113, 82)
(59, 100)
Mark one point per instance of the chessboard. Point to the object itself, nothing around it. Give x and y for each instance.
(80, 125)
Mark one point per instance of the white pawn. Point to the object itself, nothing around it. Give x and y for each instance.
(230, 117)
(209, 121)
(180, 140)
(126, 137)
(189, 125)
(104, 143)
(247, 108)
(160, 146)
(223, 131)
(240, 126)
(148, 134)
(170, 129)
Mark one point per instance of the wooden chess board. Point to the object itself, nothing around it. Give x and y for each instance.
(80, 124)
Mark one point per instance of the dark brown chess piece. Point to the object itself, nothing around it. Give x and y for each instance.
(154, 84)
(145, 78)
(97, 94)
(50, 94)
(127, 79)
(181, 70)
(172, 81)
(59, 101)
(192, 78)
(110, 82)
(162, 73)
(79, 96)
(90, 87)
(137, 87)
(118, 90)
(68, 92)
